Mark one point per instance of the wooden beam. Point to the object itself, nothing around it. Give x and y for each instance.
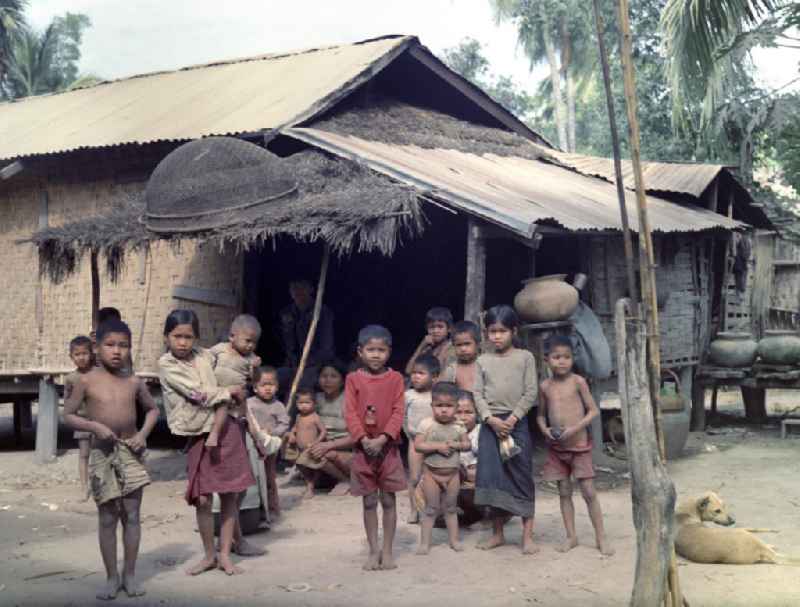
(475, 290)
(712, 196)
(8, 171)
(211, 297)
(95, 289)
(47, 422)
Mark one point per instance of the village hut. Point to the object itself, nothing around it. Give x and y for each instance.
(426, 191)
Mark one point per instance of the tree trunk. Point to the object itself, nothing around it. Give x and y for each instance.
(559, 108)
(566, 73)
(652, 491)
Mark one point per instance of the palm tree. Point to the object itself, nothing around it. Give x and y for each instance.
(12, 19)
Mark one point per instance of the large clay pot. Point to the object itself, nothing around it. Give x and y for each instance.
(675, 415)
(546, 299)
(779, 347)
(733, 350)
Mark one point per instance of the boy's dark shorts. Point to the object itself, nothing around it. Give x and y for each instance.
(381, 473)
(561, 464)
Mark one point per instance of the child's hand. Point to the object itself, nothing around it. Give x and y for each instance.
(104, 432)
(568, 433)
(237, 393)
(499, 426)
(291, 438)
(548, 435)
(445, 449)
(136, 443)
(256, 361)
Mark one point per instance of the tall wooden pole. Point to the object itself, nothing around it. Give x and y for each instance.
(612, 123)
(673, 597)
(95, 267)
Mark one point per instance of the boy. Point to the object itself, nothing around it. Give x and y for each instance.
(566, 410)
(234, 364)
(466, 343)
(80, 353)
(308, 430)
(373, 412)
(115, 463)
(271, 416)
(437, 324)
(440, 442)
(424, 374)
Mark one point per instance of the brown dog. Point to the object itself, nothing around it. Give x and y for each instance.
(702, 544)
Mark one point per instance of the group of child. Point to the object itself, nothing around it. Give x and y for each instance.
(452, 386)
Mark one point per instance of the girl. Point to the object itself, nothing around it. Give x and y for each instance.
(505, 390)
(336, 449)
(191, 393)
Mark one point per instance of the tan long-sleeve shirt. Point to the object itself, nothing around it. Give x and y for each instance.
(505, 384)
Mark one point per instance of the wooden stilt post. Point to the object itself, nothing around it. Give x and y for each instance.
(47, 421)
(475, 290)
(312, 329)
(95, 268)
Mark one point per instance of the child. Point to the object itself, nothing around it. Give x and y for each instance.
(373, 401)
(272, 418)
(437, 324)
(567, 408)
(466, 343)
(468, 417)
(424, 374)
(234, 364)
(440, 441)
(308, 430)
(80, 353)
(191, 394)
(116, 469)
(505, 390)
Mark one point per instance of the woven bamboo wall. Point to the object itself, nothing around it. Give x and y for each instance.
(785, 299)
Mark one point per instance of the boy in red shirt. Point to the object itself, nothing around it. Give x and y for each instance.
(373, 412)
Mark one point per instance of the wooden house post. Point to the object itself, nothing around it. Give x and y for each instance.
(475, 291)
(47, 421)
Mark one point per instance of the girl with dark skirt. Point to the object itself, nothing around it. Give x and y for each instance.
(191, 394)
(505, 390)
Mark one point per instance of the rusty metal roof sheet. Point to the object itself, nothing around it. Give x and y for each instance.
(515, 193)
(222, 98)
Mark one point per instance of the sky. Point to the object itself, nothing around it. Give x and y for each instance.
(139, 36)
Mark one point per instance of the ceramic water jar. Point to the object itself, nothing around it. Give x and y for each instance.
(733, 350)
(675, 415)
(779, 347)
(546, 299)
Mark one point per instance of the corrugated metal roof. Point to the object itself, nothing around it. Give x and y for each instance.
(676, 177)
(513, 192)
(222, 98)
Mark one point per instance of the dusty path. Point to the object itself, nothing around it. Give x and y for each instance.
(48, 552)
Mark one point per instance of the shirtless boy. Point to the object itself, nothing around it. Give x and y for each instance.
(566, 409)
(308, 430)
(116, 472)
(80, 353)
(466, 343)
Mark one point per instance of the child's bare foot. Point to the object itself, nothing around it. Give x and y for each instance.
(308, 493)
(373, 562)
(528, 547)
(491, 543)
(605, 547)
(423, 549)
(342, 488)
(203, 566)
(212, 440)
(457, 546)
(413, 518)
(226, 565)
(568, 544)
(110, 590)
(387, 561)
(132, 586)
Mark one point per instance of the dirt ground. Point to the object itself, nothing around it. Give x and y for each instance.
(49, 555)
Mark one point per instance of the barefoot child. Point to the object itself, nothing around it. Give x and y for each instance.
(440, 442)
(436, 341)
(234, 364)
(80, 353)
(505, 390)
(565, 412)
(191, 394)
(468, 417)
(308, 430)
(424, 374)
(373, 401)
(466, 343)
(272, 418)
(116, 469)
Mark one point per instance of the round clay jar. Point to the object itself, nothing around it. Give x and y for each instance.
(546, 299)
(733, 350)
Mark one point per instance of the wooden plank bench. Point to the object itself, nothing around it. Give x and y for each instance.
(791, 421)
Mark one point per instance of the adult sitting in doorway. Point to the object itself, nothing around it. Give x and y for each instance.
(295, 323)
(336, 450)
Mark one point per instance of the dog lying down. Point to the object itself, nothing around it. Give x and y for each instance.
(703, 544)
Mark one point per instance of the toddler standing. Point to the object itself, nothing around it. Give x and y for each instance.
(308, 430)
(80, 353)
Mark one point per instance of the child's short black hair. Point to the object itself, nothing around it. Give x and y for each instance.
(333, 363)
(260, 372)
(246, 321)
(439, 314)
(430, 363)
(558, 341)
(502, 315)
(466, 395)
(305, 391)
(374, 332)
(467, 326)
(78, 341)
(112, 326)
(182, 317)
(106, 314)
(445, 388)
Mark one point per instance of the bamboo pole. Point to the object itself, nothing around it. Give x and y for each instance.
(312, 329)
(95, 288)
(612, 123)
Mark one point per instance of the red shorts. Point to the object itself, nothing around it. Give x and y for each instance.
(559, 465)
(382, 473)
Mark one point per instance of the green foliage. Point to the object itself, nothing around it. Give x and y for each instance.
(12, 20)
